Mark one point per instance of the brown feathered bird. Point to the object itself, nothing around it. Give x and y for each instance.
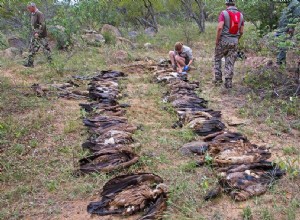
(129, 194)
(108, 160)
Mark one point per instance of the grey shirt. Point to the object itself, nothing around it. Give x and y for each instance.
(186, 52)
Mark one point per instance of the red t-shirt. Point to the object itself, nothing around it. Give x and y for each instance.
(222, 18)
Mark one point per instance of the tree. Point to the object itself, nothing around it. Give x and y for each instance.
(150, 18)
(263, 14)
(195, 9)
(142, 12)
(14, 14)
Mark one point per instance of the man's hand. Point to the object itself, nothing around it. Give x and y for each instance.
(186, 68)
(36, 35)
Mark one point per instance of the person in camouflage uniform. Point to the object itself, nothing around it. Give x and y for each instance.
(39, 34)
(290, 16)
(226, 45)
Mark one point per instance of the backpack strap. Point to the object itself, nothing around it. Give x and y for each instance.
(241, 20)
(227, 18)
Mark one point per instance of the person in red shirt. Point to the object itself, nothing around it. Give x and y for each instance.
(229, 31)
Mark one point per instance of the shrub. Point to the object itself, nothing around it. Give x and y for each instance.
(109, 38)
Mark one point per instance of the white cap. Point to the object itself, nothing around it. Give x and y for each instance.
(31, 4)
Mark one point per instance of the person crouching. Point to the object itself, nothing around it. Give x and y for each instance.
(181, 58)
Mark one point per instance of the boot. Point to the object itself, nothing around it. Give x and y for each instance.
(28, 64)
(228, 83)
(49, 59)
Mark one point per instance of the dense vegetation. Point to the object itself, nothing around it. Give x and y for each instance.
(74, 15)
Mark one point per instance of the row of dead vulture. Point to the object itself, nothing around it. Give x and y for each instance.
(243, 168)
(110, 134)
(111, 146)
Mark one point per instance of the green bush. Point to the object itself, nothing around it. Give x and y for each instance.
(249, 41)
(109, 38)
(58, 34)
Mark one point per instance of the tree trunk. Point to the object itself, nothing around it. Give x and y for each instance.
(150, 19)
(198, 15)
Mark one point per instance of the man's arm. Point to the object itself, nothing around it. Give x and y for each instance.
(190, 55)
(41, 22)
(219, 31)
(241, 31)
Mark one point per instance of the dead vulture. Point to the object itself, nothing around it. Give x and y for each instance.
(206, 126)
(195, 147)
(239, 152)
(225, 136)
(105, 74)
(113, 137)
(130, 194)
(104, 121)
(245, 181)
(108, 160)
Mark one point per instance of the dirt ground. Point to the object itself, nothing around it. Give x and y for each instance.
(161, 142)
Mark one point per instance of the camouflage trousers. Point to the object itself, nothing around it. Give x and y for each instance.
(229, 51)
(35, 45)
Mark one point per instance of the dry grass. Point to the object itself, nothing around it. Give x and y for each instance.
(41, 137)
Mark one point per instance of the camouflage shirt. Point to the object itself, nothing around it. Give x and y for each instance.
(38, 23)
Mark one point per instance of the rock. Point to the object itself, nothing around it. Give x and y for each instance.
(234, 121)
(136, 45)
(98, 38)
(122, 40)
(150, 31)
(93, 39)
(213, 193)
(133, 34)
(86, 31)
(196, 147)
(148, 46)
(111, 29)
(121, 56)
(16, 42)
(256, 62)
(10, 53)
